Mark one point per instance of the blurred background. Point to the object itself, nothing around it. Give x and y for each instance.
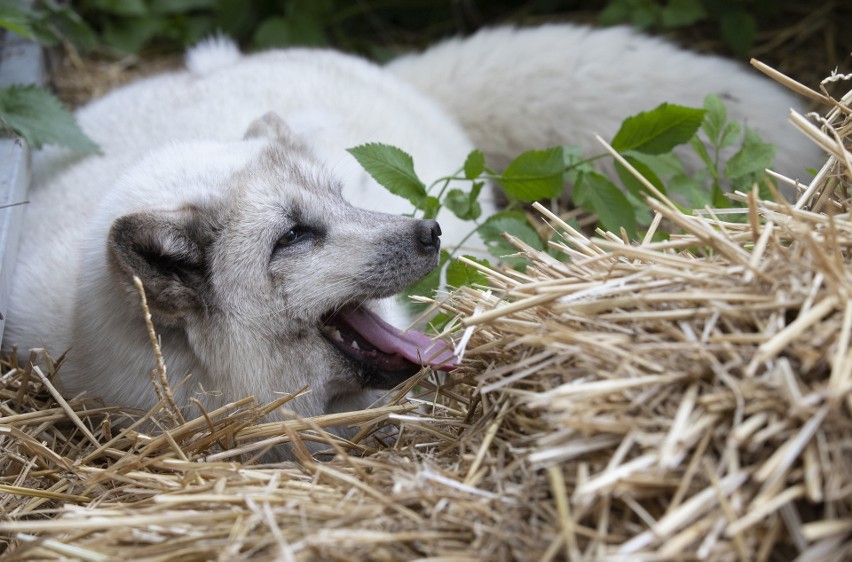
(101, 43)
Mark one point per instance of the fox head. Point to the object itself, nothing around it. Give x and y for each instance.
(260, 277)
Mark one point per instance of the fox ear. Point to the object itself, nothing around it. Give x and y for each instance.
(270, 125)
(167, 251)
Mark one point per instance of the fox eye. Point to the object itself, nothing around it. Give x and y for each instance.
(294, 235)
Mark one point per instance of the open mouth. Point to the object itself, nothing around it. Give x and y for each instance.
(386, 354)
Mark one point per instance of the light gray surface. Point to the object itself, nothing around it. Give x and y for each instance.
(21, 62)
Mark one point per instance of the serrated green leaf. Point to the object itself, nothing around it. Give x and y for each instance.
(474, 164)
(659, 130)
(393, 169)
(511, 222)
(754, 156)
(461, 205)
(714, 120)
(535, 174)
(461, 274)
(40, 118)
(594, 192)
(680, 13)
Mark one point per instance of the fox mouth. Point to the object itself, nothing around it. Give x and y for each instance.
(385, 355)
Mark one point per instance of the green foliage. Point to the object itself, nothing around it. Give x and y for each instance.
(658, 131)
(614, 210)
(736, 20)
(534, 175)
(648, 143)
(49, 24)
(460, 274)
(514, 223)
(128, 26)
(41, 119)
(393, 169)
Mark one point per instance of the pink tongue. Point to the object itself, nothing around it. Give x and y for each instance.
(414, 346)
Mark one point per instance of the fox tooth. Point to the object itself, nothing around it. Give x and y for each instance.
(355, 345)
(332, 332)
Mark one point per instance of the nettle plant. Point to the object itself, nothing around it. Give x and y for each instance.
(647, 141)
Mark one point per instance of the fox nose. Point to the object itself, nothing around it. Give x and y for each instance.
(428, 234)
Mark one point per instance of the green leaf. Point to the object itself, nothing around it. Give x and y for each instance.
(754, 156)
(641, 211)
(664, 165)
(67, 24)
(511, 222)
(426, 286)
(680, 13)
(461, 274)
(575, 163)
(701, 150)
(730, 135)
(535, 174)
(41, 119)
(474, 164)
(659, 130)
(438, 322)
(430, 207)
(120, 7)
(714, 121)
(596, 193)
(393, 169)
(633, 185)
(17, 16)
(461, 204)
(692, 191)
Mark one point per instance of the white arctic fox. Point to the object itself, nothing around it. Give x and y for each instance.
(264, 248)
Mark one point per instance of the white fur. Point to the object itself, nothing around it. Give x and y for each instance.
(175, 141)
(562, 84)
(212, 54)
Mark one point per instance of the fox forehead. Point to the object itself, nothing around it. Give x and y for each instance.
(286, 182)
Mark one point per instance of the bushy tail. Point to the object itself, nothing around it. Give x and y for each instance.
(515, 89)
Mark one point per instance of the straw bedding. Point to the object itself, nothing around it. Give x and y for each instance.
(686, 399)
